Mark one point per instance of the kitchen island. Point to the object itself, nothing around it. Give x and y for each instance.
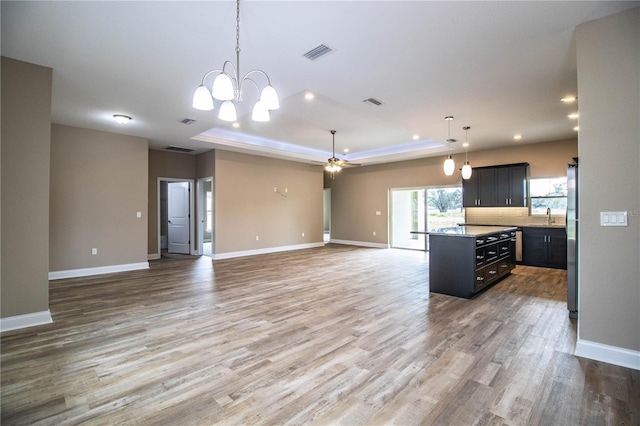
(465, 260)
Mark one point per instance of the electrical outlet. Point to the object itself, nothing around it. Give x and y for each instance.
(257, 237)
(374, 233)
(94, 251)
(303, 234)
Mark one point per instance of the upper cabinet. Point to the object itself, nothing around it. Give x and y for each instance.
(496, 186)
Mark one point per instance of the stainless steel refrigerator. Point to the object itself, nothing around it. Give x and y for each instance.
(572, 238)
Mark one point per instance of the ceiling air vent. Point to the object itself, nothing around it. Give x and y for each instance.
(187, 121)
(372, 101)
(318, 52)
(178, 148)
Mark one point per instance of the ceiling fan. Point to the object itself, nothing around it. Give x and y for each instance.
(334, 164)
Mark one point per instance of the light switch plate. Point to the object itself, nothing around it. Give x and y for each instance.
(613, 219)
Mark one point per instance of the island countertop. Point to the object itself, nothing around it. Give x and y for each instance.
(471, 231)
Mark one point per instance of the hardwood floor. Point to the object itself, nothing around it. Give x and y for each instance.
(329, 335)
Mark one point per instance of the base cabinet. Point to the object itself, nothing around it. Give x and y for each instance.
(464, 266)
(546, 247)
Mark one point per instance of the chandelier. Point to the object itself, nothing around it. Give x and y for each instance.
(228, 88)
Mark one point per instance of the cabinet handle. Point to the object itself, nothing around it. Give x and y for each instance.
(493, 272)
(479, 279)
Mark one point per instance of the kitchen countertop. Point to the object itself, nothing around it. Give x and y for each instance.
(527, 225)
(471, 230)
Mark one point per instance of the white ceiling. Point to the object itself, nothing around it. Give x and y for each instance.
(499, 67)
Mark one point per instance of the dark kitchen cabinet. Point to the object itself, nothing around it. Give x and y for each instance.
(463, 266)
(496, 186)
(511, 186)
(546, 247)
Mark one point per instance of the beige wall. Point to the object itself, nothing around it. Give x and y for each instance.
(608, 61)
(26, 136)
(167, 165)
(246, 205)
(358, 193)
(98, 184)
(206, 164)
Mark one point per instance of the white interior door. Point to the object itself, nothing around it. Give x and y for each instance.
(178, 217)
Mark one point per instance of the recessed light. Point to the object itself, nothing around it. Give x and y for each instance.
(121, 119)
(416, 137)
(309, 96)
(576, 128)
(573, 115)
(346, 150)
(465, 145)
(569, 99)
(517, 137)
(235, 125)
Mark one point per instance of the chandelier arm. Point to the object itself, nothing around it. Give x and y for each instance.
(246, 78)
(209, 73)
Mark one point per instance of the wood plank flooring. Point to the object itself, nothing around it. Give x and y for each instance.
(331, 335)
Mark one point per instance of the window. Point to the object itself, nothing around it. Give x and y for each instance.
(548, 193)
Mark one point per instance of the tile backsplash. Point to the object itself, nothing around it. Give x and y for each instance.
(516, 216)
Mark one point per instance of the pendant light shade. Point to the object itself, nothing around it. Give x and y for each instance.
(449, 166)
(260, 112)
(202, 99)
(227, 111)
(223, 88)
(269, 98)
(466, 170)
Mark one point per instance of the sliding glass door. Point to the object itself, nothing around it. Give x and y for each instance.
(416, 210)
(408, 214)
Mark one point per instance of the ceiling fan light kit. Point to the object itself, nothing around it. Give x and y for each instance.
(228, 88)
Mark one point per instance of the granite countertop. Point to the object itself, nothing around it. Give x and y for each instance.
(471, 230)
(526, 225)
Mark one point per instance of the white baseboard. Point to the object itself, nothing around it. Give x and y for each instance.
(154, 256)
(220, 256)
(25, 320)
(73, 273)
(609, 354)
(359, 243)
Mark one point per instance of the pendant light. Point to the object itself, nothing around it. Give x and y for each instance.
(466, 169)
(449, 165)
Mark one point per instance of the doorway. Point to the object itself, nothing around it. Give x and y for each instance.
(408, 218)
(415, 211)
(326, 215)
(205, 216)
(175, 221)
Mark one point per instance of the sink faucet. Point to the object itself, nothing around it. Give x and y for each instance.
(549, 215)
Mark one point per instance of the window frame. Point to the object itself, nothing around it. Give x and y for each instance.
(546, 197)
